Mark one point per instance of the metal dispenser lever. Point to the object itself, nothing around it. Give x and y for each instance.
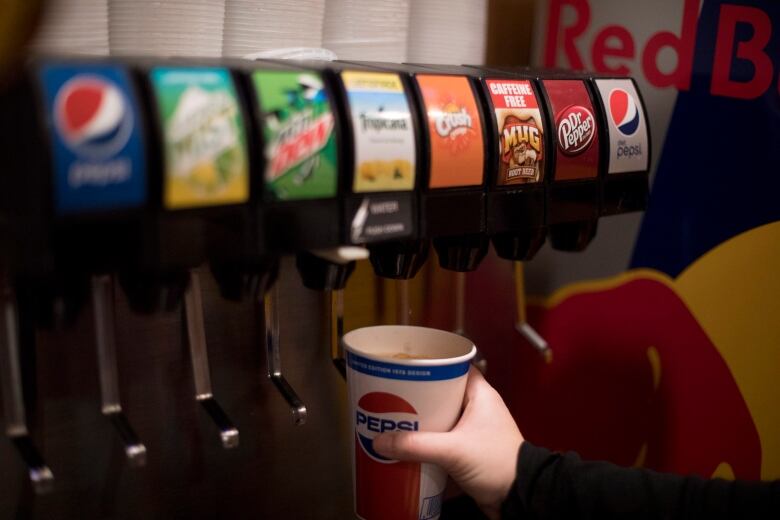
(103, 304)
(274, 360)
(521, 324)
(337, 331)
(196, 337)
(13, 401)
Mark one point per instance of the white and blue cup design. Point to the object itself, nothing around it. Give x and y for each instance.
(402, 378)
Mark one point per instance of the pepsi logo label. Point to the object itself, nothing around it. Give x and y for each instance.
(623, 111)
(95, 142)
(93, 116)
(381, 412)
(576, 128)
(628, 138)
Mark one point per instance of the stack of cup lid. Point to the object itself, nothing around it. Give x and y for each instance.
(252, 26)
(166, 28)
(448, 31)
(371, 30)
(73, 27)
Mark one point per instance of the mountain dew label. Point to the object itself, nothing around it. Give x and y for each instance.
(299, 135)
(204, 142)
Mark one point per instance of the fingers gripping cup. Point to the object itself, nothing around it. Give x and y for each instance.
(402, 378)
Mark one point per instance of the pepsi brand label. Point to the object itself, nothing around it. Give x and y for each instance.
(576, 130)
(95, 134)
(387, 397)
(628, 146)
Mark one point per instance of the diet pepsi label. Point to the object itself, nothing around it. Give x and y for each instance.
(94, 130)
(628, 147)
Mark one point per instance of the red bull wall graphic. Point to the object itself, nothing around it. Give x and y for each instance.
(666, 344)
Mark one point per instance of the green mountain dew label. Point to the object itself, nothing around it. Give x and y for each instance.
(204, 141)
(300, 140)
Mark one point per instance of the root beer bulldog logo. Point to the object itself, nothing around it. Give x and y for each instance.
(521, 149)
(520, 131)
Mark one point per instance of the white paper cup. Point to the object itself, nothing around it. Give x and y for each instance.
(389, 394)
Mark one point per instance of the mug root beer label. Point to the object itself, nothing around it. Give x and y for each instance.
(520, 131)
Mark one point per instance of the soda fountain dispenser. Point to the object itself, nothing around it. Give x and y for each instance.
(201, 194)
(382, 161)
(452, 168)
(298, 133)
(519, 199)
(575, 187)
(78, 204)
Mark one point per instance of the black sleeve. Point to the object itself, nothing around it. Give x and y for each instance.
(555, 485)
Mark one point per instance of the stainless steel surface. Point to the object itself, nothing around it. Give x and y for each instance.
(39, 474)
(105, 339)
(274, 358)
(196, 339)
(278, 471)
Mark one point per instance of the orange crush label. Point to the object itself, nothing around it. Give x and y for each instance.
(455, 130)
(520, 131)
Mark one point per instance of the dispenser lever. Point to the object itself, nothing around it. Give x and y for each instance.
(41, 476)
(521, 324)
(273, 357)
(103, 305)
(196, 336)
(336, 310)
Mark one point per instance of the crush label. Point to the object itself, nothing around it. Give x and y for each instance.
(520, 131)
(454, 130)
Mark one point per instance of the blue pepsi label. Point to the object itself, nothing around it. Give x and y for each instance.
(94, 125)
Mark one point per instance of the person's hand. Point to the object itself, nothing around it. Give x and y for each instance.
(480, 453)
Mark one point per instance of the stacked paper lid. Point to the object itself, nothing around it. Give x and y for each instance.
(166, 27)
(448, 31)
(259, 25)
(367, 29)
(73, 27)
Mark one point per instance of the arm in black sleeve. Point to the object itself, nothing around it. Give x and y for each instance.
(554, 485)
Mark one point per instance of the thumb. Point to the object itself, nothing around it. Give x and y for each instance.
(432, 447)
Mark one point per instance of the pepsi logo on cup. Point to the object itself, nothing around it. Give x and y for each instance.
(95, 137)
(576, 128)
(623, 111)
(380, 412)
(93, 116)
